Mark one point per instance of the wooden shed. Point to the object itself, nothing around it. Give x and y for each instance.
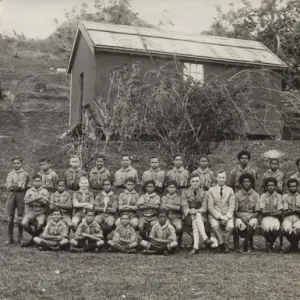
(98, 48)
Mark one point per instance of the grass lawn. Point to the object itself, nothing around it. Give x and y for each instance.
(29, 274)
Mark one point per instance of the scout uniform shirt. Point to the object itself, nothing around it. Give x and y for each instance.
(172, 200)
(278, 175)
(37, 207)
(158, 176)
(97, 177)
(164, 232)
(221, 202)
(49, 179)
(207, 178)
(270, 202)
(181, 176)
(194, 199)
(152, 199)
(123, 174)
(62, 198)
(92, 229)
(108, 200)
(291, 202)
(72, 178)
(17, 180)
(129, 198)
(235, 174)
(124, 232)
(56, 229)
(246, 204)
(82, 197)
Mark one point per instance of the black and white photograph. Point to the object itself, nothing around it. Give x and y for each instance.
(149, 149)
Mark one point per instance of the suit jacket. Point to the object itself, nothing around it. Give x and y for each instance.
(217, 205)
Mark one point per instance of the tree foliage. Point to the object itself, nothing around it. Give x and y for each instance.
(275, 23)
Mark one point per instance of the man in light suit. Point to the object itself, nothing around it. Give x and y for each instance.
(221, 203)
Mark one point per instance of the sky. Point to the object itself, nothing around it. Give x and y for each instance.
(35, 18)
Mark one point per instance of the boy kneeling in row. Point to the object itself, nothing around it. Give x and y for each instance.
(124, 238)
(55, 235)
(88, 236)
(162, 237)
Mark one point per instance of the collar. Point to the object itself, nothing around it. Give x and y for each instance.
(60, 222)
(127, 169)
(151, 195)
(37, 190)
(273, 195)
(86, 224)
(152, 170)
(84, 192)
(290, 194)
(132, 192)
(271, 172)
(47, 172)
(18, 171)
(97, 171)
(57, 193)
(178, 170)
(77, 170)
(220, 186)
(243, 170)
(172, 196)
(164, 226)
(199, 170)
(198, 190)
(109, 194)
(251, 191)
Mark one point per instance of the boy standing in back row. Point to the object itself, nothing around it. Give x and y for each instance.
(17, 183)
(49, 177)
(73, 175)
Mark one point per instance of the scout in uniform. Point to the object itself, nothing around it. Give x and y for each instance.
(62, 200)
(98, 174)
(297, 175)
(49, 177)
(55, 235)
(221, 203)
(243, 158)
(271, 206)
(291, 222)
(162, 237)
(194, 201)
(155, 174)
(124, 238)
(128, 203)
(81, 200)
(148, 206)
(126, 171)
(36, 200)
(246, 211)
(172, 204)
(178, 173)
(73, 175)
(274, 172)
(17, 182)
(88, 236)
(106, 207)
(206, 176)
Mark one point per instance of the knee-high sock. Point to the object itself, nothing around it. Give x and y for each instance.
(201, 227)
(10, 229)
(196, 235)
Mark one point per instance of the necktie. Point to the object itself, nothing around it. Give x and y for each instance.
(195, 193)
(221, 192)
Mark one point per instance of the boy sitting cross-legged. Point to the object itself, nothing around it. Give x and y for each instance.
(162, 237)
(88, 236)
(36, 200)
(148, 206)
(128, 203)
(106, 206)
(82, 200)
(124, 238)
(55, 235)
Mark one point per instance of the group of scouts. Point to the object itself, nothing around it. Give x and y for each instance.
(129, 214)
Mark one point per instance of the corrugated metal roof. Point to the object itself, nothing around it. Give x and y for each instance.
(170, 43)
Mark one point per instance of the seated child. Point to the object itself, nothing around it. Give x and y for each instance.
(148, 205)
(162, 237)
(73, 175)
(55, 235)
(172, 203)
(128, 203)
(36, 200)
(124, 238)
(88, 236)
(62, 200)
(82, 200)
(106, 206)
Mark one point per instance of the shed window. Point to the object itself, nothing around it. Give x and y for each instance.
(194, 70)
